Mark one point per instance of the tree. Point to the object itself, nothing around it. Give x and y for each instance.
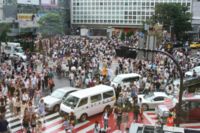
(5, 28)
(51, 24)
(122, 36)
(174, 17)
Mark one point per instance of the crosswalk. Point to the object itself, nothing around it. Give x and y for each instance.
(53, 123)
(153, 119)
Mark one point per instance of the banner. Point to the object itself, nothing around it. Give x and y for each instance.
(29, 2)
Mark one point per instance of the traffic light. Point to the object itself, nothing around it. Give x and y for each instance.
(126, 52)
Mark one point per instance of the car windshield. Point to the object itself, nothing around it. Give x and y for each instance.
(71, 101)
(19, 50)
(117, 79)
(58, 94)
(149, 95)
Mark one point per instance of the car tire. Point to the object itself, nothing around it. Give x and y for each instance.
(145, 107)
(83, 117)
(56, 108)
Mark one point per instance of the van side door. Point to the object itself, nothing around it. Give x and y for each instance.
(96, 104)
(82, 107)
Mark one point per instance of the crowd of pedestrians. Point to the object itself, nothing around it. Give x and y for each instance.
(85, 62)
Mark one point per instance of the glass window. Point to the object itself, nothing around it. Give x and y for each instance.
(83, 101)
(159, 99)
(95, 98)
(108, 94)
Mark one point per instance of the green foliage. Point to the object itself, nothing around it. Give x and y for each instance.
(122, 37)
(129, 34)
(4, 29)
(51, 25)
(173, 15)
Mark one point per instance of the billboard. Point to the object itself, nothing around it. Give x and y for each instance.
(27, 20)
(49, 2)
(29, 2)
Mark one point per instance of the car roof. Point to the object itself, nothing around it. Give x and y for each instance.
(128, 75)
(191, 98)
(160, 94)
(67, 89)
(92, 91)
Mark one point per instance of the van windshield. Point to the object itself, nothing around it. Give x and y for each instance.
(19, 50)
(71, 101)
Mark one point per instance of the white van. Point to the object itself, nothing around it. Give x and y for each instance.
(125, 79)
(13, 49)
(89, 101)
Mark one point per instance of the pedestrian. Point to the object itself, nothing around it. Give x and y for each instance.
(66, 123)
(136, 111)
(33, 122)
(51, 84)
(11, 105)
(96, 127)
(125, 118)
(38, 128)
(170, 121)
(105, 119)
(41, 110)
(18, 106)
(119, 117)
(2, 106)
(25, 123)
(3, 125)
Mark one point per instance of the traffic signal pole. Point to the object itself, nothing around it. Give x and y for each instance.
(129, 49)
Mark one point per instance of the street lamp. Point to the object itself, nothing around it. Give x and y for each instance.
(129, 52)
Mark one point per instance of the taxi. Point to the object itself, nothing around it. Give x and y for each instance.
(195, 45)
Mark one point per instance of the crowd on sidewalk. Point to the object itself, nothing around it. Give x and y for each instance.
(85, 62)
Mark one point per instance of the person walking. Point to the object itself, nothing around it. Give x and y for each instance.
(41, 110)
(33, 122)
(3, 125)
(136, 112)
(119, 117)
(96, 127)
(170, 121)
(105, 119)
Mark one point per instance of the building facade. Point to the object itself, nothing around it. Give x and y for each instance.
(196, 19)
(115, 13)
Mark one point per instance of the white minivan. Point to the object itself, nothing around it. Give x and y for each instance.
(125, 79)
(89, 101)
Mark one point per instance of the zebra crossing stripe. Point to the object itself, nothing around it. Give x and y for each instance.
(85, 130)
(61, 129)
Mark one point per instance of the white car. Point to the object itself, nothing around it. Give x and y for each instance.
(53, 101)
(125, 79)
(190, 72)
(152, 100)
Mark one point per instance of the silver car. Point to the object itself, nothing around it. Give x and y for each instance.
(152, 100)
(53, 101)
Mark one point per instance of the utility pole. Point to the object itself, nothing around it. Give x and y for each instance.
(129, 52)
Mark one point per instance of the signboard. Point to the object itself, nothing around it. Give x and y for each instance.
(25, 16)
(27, 20)
(49, 2)
(29, 2)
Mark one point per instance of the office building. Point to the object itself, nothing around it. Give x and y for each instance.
(115, 13)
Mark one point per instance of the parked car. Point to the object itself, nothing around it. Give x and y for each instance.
(195, 45)
(152, 100)
(53, 101)
(125, 79)
(191, 71)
